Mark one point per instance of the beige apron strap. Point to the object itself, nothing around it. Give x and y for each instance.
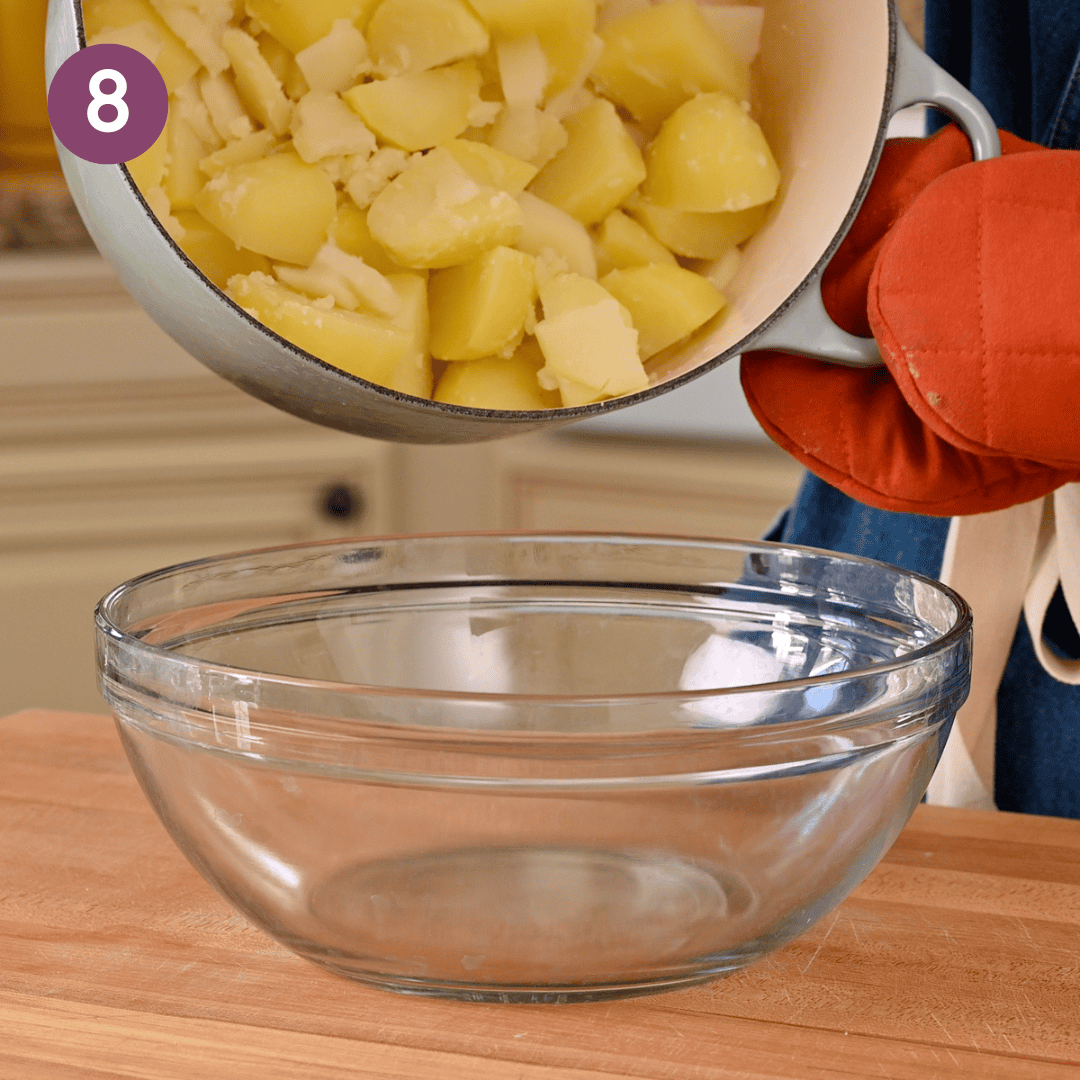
(988, 561)
(1057, 560)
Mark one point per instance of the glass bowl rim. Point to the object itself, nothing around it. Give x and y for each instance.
(151, 652)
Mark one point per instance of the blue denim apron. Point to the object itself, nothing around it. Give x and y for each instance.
(1022, 59)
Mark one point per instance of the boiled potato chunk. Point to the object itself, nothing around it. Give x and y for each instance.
(300, 23)
(591, 342)
(349, 231)
(490, 167)
(279, 207)
(564, 29)
(183, 179)
(413, 374)
(324, 126)
(435, 215)
(573, 393)
(622, 242)
(523, 70)
(347, 278)
(134, 23)
(368, 346)
(414, 35)
(547, 230)
(256, 83)
(599, 167)
(496, 382)
(335, 62)
(250, 148)
(528, 133)
(699, 236)
(656, 59)
(710, 156)
(667, 303)
(148, 169)
(479, 308)
(420, 110)
(213, 252)
(563, 292)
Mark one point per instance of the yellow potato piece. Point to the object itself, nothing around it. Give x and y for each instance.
(276, 55)
(421, 110)
(183, 178)
(300, 23)
(547, 229)
(213, 252)
(435, 215)
(349, 231)
(490, 167)
(710, 156)
(565, 292)
(106, 21)
(258, 86)
(479, 308)
(495, 382)
(414, 35)
(279, 207)
(564, 29)
(336, 61)
(658, 58)
(148, 169)
(413, 374)
(573, 394)
(699, 236)
(599, 167)
(622, 242)
(590, 341)
(528, 133)
(250, 148)
(368, 346)
(667, 303)
(523, 69)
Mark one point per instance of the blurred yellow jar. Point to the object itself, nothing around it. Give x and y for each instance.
(25, 135)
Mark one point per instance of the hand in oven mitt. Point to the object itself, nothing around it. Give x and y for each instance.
(968, 276)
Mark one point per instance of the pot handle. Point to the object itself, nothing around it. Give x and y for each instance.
(804, 327)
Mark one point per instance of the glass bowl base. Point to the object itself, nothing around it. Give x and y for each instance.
(533, 924)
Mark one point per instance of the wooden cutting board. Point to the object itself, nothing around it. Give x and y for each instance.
(958, 957)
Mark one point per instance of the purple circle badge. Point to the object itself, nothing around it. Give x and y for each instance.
(108, 104)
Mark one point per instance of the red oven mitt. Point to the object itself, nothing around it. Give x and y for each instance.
(968, 275)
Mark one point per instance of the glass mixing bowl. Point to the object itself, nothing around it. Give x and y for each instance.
(533, 768)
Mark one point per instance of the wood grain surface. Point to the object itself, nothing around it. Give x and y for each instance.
(958, 957)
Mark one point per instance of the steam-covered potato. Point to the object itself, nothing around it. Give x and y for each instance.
(506, 204)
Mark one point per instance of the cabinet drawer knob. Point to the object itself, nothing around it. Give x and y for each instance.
(341, 502)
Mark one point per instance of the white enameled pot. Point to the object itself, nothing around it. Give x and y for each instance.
(832, 74)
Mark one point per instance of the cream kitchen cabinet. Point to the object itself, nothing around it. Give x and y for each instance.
(120, 454)
(565, 482)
